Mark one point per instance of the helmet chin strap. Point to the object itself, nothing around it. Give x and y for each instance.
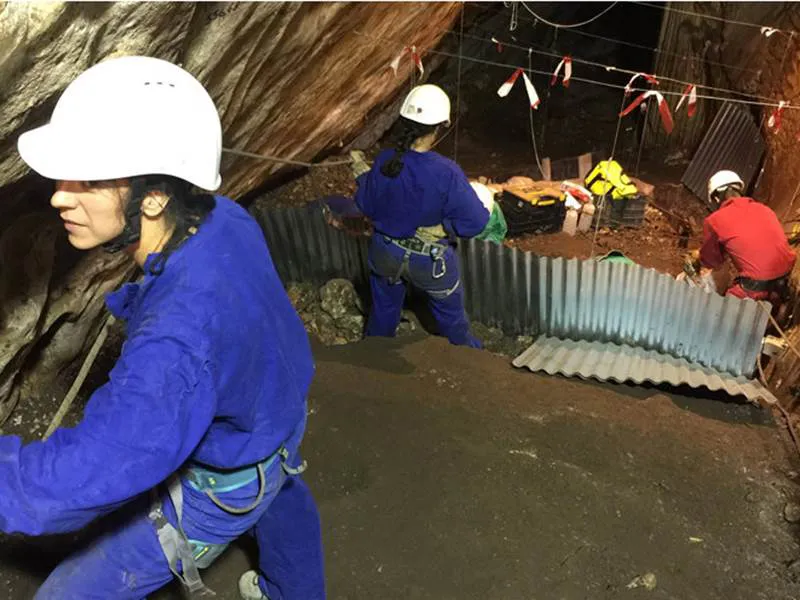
(132, 230)
(719, 193)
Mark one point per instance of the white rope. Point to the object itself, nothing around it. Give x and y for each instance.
(711, 17)
(69, 399)
(616, 69)
(562, 26)
(643, 47)
(583, 79)
(285, 160)
(458, 89)
(533, 133)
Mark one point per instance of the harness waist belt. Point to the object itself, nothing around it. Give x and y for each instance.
(417, 246)
(203, 478)
(762, 285)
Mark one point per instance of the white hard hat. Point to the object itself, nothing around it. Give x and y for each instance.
(129, 116)
(427, 104)
(721, 180)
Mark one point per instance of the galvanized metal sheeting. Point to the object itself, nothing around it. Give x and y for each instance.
(610, 302)
(305, 248)
(679, 32)
(681, 35)
(678, 59)
(524, 294)
(621, 363)
(732, 142)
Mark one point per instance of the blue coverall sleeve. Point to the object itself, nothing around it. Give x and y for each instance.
(464, 213)
(137, 430)
(363, 191)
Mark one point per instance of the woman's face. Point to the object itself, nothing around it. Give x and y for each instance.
(92, 212)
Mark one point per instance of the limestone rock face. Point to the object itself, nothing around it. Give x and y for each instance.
(295, 80)
(339, 298)
(334, 314)
(47, 291)
(290, 79)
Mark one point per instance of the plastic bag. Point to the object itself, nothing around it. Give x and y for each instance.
(496, 229)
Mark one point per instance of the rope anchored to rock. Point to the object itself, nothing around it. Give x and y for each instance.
(288, 161)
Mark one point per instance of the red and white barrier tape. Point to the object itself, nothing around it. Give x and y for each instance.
(663, 108)
(412, 50)
(774, 122)
(691, 93)
(649, 78)
(566, 62)
(504, 89)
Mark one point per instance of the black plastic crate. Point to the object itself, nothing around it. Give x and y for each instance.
(623, 213)
(523, 217)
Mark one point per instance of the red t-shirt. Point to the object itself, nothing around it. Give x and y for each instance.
(750, 233)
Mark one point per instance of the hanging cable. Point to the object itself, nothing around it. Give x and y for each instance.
(512, 25)
(599, 213)
(561, 26)
(612, 68)
(446, 133)
(642, 47)
(764, 117)
(533, 133)
(710, 17)
(548, 75)
(458, 89)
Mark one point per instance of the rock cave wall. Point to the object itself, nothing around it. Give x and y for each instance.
(294, 80)
(769, 67)
(766, 66)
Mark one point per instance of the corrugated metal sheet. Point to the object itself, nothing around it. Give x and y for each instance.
(305, 248)
(621, 363)
(524, 294)
(680, 35)
(732, 142)
(689, 48)
(610, 302)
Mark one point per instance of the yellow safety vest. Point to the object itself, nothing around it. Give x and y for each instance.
(609, 178)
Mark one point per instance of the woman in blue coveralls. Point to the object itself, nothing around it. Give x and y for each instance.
(418, 201)
(194, 439)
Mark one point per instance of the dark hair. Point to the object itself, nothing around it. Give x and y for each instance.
(410, 132)
(734, 190)
(185, 212)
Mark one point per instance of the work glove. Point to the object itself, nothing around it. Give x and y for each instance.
(691, 263)
(360, 164)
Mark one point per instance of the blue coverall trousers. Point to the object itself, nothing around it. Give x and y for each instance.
(391, 266)
(127, 563)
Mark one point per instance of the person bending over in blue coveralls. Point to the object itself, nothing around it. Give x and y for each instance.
(418, 201)
(194, 439)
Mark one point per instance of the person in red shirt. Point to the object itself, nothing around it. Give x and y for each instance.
(751, 235)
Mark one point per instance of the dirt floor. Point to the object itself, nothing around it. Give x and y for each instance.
(447, 474)
(656, 244)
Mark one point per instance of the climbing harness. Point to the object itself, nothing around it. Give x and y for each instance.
(435, 251)
(195, 554)
(173, 541)
(778, 286)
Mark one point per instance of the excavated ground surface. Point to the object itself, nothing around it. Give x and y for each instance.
(443, 473)
(655, 244)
